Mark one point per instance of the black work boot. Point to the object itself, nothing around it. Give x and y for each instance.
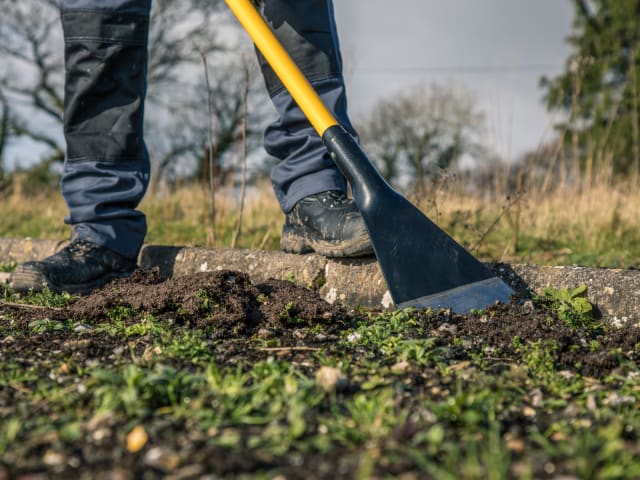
(78, 268)
(327, 223)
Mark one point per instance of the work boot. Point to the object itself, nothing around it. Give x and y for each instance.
(327, 223)
(78, 268)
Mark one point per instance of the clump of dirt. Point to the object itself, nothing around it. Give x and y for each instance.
(287, 305)
(224, 299)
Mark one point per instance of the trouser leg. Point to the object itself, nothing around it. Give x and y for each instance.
(307, 30)
(106, 171)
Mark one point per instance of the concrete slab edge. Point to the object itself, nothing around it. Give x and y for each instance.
(353, 282)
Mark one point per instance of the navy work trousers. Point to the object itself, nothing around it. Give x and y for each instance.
(106, 171)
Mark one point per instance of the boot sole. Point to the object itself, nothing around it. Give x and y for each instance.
(297, 240)
(24, 280)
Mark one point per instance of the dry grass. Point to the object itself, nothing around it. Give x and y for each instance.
(596, 225)
(183, 216)
(179, 217)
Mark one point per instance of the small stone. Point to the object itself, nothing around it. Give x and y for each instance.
(82, 327)
(615, 399)
(137, 439)
(186, 472)
(401, 366)
(571, 411)
(354, 337)
(515, 444)
(300, 333)
(466, 342)
(117, 474)
(568, 374)
(529, 412)
(520, 470)
(265, 333)
(53, 458)
(101, 434)
(331, 379)
(100, 421)
(585, 423)
(408, 476)
(151, 352)
(449, 328)
(537, 397)
(528, 307)
(162, 459)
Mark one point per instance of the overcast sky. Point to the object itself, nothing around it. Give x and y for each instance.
(497, 49)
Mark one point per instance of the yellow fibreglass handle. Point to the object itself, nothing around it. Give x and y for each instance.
(287, 71)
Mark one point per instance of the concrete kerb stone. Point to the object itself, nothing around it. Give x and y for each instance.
(18, 250)
(353, 282)
(305, 270)
(615, 292)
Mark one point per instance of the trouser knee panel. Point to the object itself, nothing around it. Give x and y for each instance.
(105, 87)
(306, 29)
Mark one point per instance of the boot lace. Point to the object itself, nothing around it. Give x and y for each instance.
(333, 198)
(80, 247)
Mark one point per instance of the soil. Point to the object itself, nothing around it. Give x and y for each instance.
(243, 311)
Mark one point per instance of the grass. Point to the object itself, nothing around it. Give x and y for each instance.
(594, 226)
(410, 403)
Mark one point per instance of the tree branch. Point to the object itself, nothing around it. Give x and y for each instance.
(584, 9)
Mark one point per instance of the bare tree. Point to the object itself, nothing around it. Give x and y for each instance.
(32, 82)
(420, 131)
(31, 49)
(4, 129)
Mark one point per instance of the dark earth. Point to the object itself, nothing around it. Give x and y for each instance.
(243, 313)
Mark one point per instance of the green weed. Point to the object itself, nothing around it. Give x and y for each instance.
(8, 266)
(570, 305)
(395, 336)
(44, 298)
(120, 313)
(38, 327)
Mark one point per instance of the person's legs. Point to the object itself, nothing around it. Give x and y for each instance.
(106, 169)
(328, 224)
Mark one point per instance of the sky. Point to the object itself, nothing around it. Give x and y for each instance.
(497, 49)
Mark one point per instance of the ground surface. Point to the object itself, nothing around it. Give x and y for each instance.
(210, 376)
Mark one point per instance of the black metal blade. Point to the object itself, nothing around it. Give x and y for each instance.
(422, 265)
